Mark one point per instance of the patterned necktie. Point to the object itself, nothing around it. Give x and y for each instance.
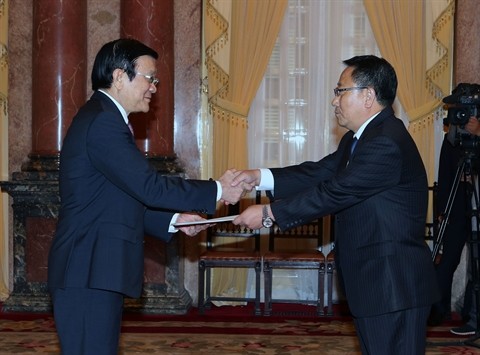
(131, 128)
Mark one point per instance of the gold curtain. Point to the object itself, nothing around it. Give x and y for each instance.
(237, 53)
(3, 146)
(239, 37)
(401, 30)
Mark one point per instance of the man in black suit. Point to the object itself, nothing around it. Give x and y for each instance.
(111, 197)
(378, 192)
(456, 230)
(462, 224)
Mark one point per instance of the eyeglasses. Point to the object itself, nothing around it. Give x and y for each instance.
(151, 79)
(338, 91)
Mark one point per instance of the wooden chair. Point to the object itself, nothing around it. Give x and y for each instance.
(330, 266)
(244, 254)
(330, 262)
(302, 259)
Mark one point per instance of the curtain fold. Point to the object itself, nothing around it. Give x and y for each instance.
(405, 31)
(3, 147)
(237, 53)
(239, 37)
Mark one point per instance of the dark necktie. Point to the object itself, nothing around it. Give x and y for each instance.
(354, 144)
(352, 148)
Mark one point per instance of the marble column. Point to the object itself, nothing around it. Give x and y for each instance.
(58, 69)
(58, 89)
(467, 42)
(151, 22)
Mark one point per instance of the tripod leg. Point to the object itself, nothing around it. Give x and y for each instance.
(448, 208)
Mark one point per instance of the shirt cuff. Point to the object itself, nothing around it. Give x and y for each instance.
(267, 181)
(171, 228)
(219, 190)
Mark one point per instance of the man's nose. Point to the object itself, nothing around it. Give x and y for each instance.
(335, 101)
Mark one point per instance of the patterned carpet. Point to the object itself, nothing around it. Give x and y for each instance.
(223, 331)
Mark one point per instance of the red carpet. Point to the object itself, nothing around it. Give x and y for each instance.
(292, 329)
(236, 316)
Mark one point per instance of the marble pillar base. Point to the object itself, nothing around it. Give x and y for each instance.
(158, 303)
(36, 204)
(30, 303)
(35, 210)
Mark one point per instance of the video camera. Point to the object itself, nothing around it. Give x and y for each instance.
(463, 103)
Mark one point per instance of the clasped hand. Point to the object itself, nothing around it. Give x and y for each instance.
(234, 186)
(252, 216)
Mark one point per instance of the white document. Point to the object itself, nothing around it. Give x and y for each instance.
(206, 221)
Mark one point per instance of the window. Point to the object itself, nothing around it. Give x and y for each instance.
(291, 119)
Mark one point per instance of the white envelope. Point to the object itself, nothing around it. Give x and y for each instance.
(206, 221)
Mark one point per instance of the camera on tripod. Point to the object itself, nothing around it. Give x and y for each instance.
(463, 103)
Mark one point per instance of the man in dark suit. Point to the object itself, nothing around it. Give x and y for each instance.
(456, 230)
(111, 197)
(460, 226)
(378, 193)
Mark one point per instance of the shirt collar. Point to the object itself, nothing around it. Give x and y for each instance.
(364, 125)
(120, 108)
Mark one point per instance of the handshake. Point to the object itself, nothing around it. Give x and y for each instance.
(236, 183)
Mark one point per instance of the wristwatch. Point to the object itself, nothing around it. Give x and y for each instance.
(267, 221)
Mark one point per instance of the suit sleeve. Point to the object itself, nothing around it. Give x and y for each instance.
(375, 168)
(156, 224)
(112, 150)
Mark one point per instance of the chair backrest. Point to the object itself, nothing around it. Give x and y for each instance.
(311, 234)
(244, 238)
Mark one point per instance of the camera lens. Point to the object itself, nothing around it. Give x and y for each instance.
(461, 114)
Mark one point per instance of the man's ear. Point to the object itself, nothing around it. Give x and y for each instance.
(370, 97)
(118, 77)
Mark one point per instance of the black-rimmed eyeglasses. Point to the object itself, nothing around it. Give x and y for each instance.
(338, 91)
(151, 79)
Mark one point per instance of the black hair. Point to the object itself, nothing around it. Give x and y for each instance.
(119, 54)
(375, 72)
